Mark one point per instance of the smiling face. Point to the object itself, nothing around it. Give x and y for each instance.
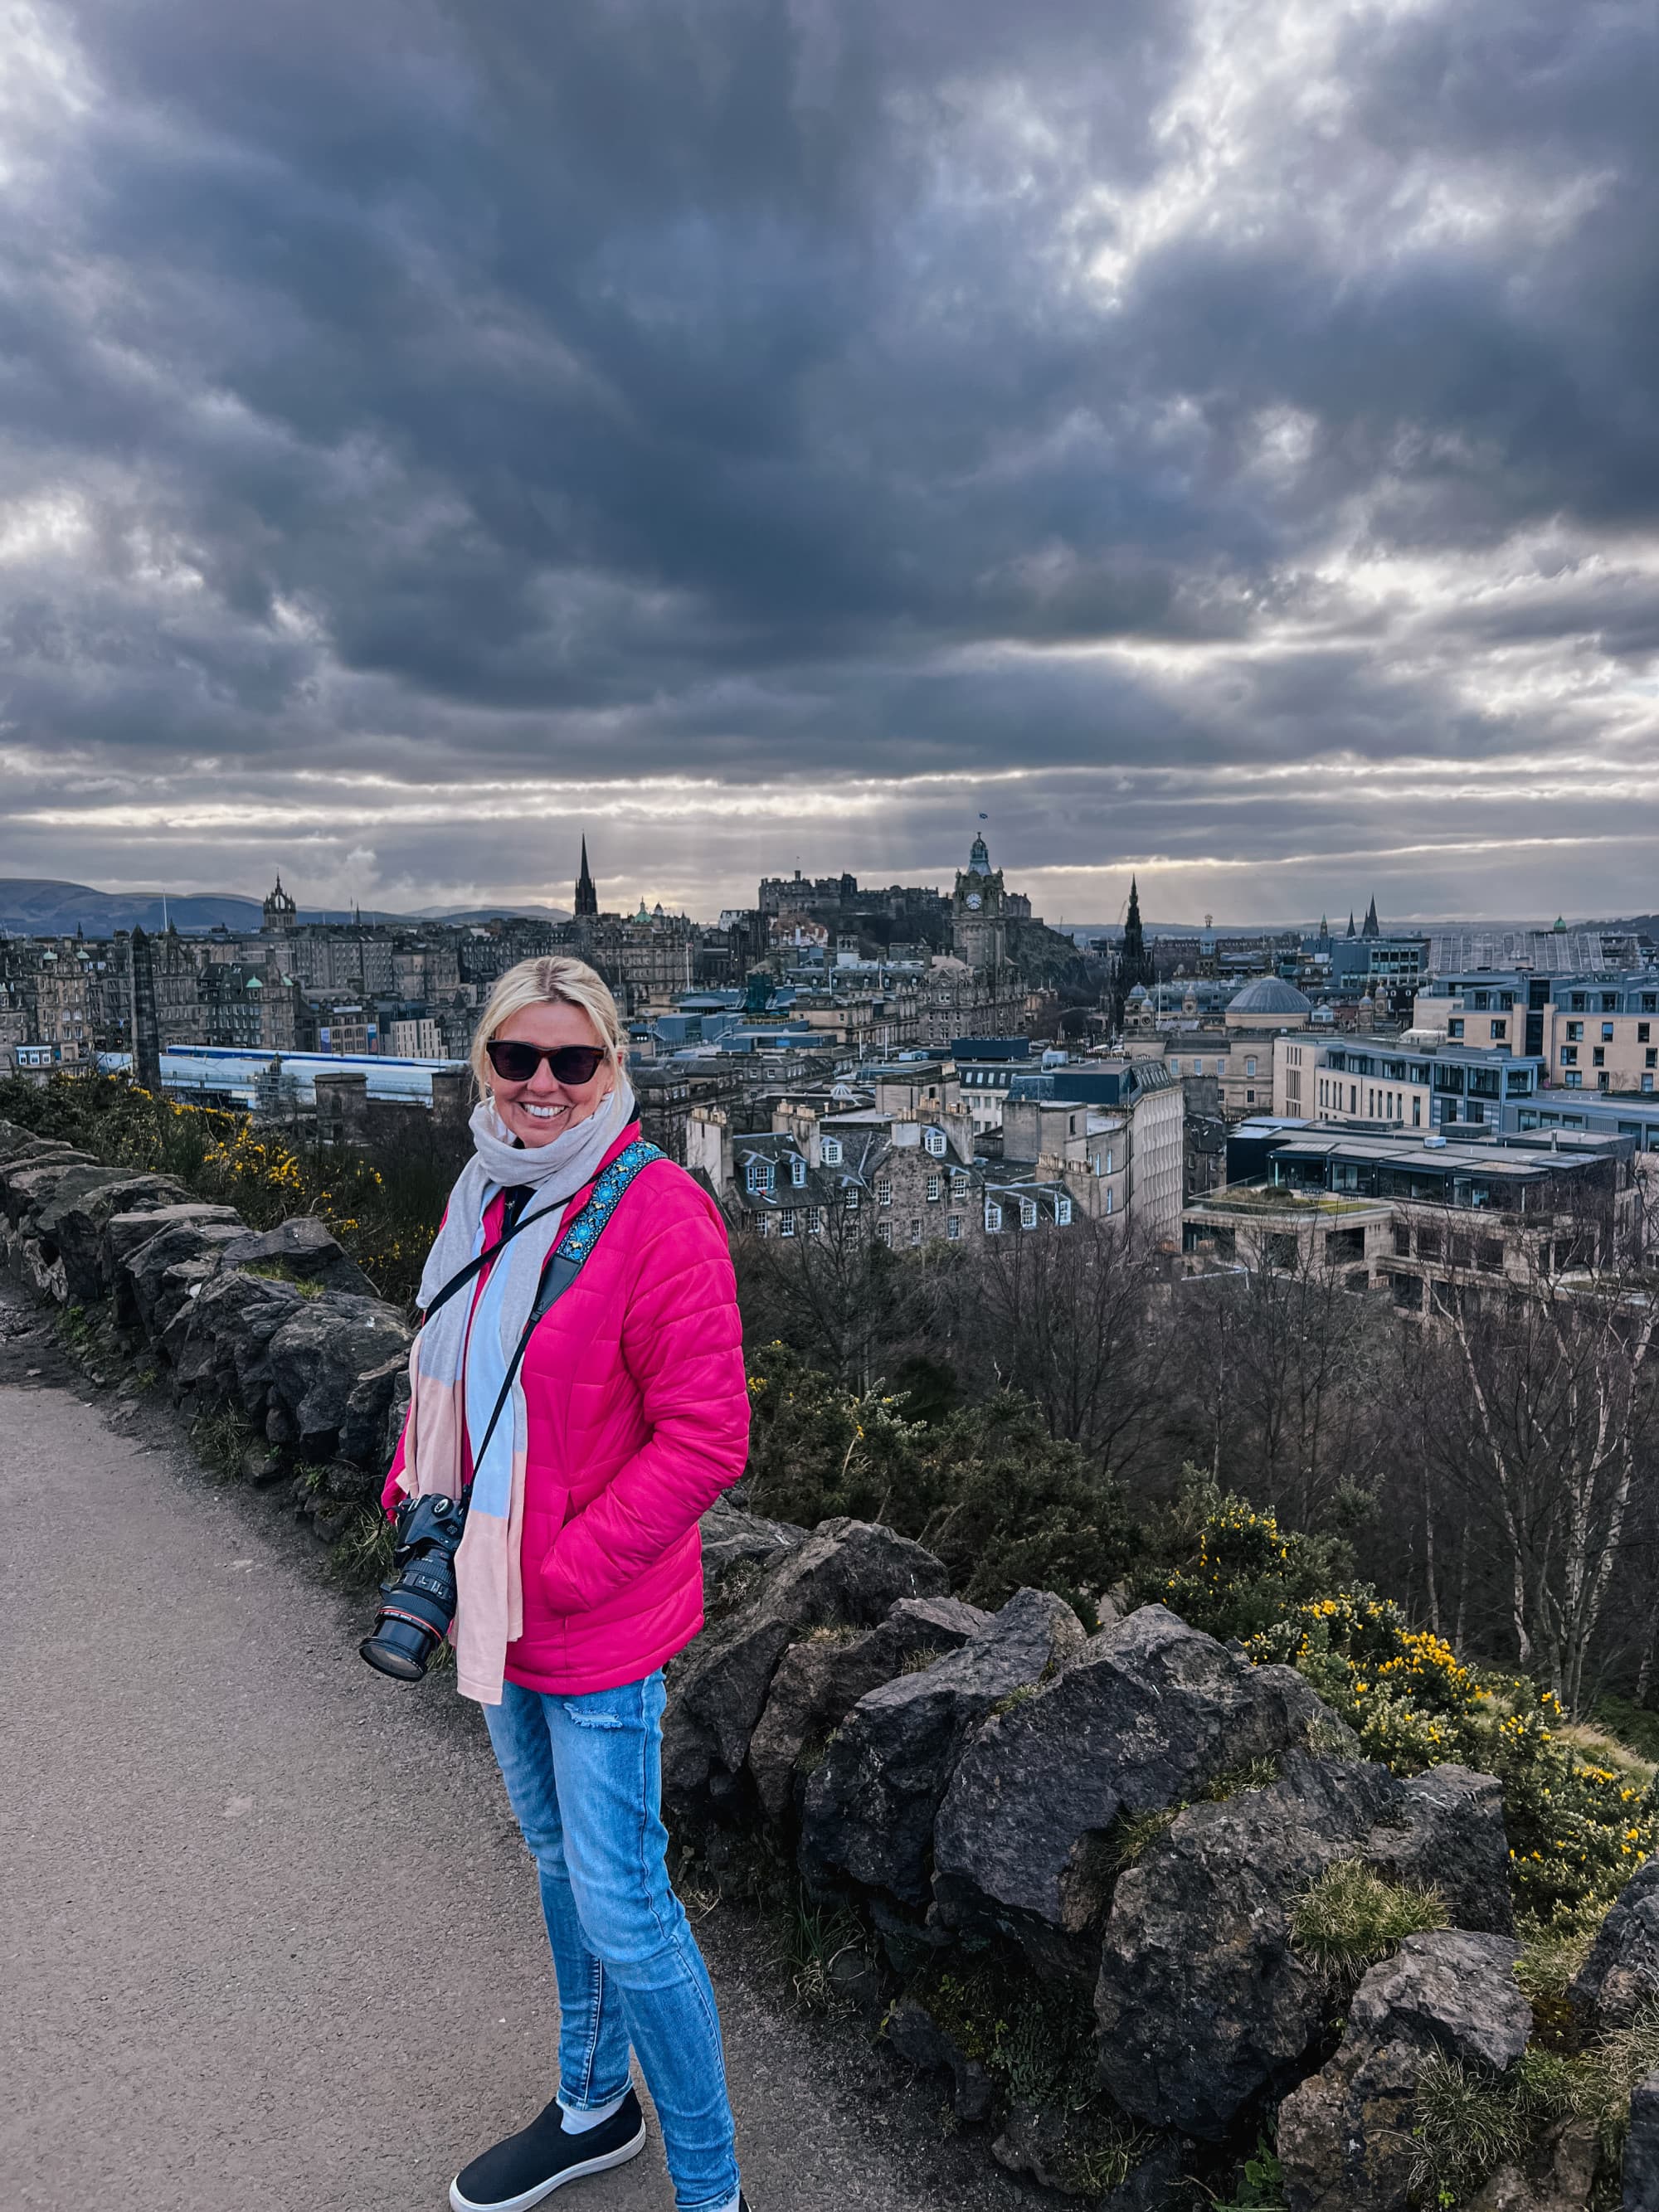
(537, 1111)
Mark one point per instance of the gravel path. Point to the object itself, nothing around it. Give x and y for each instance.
(270, 1939)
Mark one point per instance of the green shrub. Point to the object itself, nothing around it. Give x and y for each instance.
(1351, 1916)
(988, 1489)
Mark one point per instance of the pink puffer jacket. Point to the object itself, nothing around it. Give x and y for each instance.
(638, 1419)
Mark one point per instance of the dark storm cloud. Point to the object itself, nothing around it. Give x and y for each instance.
(798, 393)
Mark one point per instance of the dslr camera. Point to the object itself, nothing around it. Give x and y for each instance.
(417, 1602)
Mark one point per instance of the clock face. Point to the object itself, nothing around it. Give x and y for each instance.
(973, 902)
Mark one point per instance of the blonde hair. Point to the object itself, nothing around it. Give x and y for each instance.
(551, 982)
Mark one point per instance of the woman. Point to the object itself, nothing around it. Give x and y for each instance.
(579, 1572)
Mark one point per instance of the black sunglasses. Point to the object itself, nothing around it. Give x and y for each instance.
(571, 1064)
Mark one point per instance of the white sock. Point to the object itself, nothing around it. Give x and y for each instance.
(592, 2116)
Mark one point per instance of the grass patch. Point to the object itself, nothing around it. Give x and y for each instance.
(1638, 1726)
(1351, 1916)
(813, 1937)
(270, 1271)
(1470, 2122)
(219, 1440)
(362, 1557)
(1132, 1834)
(1253, 1774)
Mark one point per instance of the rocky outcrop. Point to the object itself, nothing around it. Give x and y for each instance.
(819, 1680)
(1621, 1974)
(1449, 1833)
(734, 1540)
(849, 1574)
(916, 2037)
(1150, 1713)
(870, 1807)
(155, 1274)
(1642, 2148)
(1346, 2139)
(1203, 2005)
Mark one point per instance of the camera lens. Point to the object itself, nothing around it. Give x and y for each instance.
(400, 1648)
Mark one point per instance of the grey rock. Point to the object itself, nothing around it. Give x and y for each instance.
(306, 1250)
(21, 1147)
(1559, 2179)
(124, 1233)
(147, 1295)
(375, 1411)
(847, 1574)
(36, 1180)
(261, 1467)
(321, 1360)
(1202, 2003)
(870, 1808)
(732, 1537)
(1451, 1834)
(217, 1336)
(820, 1678)
(1150, 1713)
(1642, 2148)
(1621, 1973)
(71, 1223)
(917, 2038)
(1345, 2136)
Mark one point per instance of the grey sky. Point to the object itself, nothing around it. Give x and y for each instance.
(1220, 439)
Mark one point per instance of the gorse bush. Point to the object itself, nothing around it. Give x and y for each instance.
(988, 1489)
(1577, 1826)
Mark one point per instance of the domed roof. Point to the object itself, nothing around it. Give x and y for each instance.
(1139, 996)
(1269, 995)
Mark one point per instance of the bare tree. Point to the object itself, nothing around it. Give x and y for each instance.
(1066, 1316)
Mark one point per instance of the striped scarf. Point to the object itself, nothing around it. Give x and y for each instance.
(460, 1361)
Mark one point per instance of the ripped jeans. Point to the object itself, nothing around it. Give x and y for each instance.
(585, 1777)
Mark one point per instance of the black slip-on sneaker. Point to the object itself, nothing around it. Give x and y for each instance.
(541, 2158)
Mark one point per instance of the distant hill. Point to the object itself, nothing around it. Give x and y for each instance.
(39, 905)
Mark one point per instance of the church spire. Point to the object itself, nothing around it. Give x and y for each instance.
(1373, 927)
(587, 899)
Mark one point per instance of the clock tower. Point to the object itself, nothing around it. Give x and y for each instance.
(979, 929)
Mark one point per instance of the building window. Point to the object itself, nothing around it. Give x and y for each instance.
(1575, 1080)
(915, 1232)
(1568, 1055)
(1454, 1029)
(758, 1177)
(853, 1198)
(1607, 1032)
(1644, 1029)
(958, 1185)
(885, 1231)
(1175, 1067)
(953, 1228)
(1575, 1032)
(1647, 1082)
(933, 1187)
(1063, 1213)
(934, 1141)
(992, 1217)
(1650, 1057)
(829, 1151)
(814, 1220)
(798, 1172)
(786, 1222)
(1110, 1194)
(1598, 1055)
(1249, 1066)
(884, 1190)
(1499, 1031)
(1028, 1213)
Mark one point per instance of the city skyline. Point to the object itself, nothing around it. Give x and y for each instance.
(1220, 446)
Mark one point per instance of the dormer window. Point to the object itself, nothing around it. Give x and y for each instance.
(934, 1141)
(829, 1151)
(993, 1217)
(1028, 1213)
(1063, 1213)
(798, 1172)
(758, 1177)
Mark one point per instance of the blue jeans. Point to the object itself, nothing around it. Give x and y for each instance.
(585, 1778)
